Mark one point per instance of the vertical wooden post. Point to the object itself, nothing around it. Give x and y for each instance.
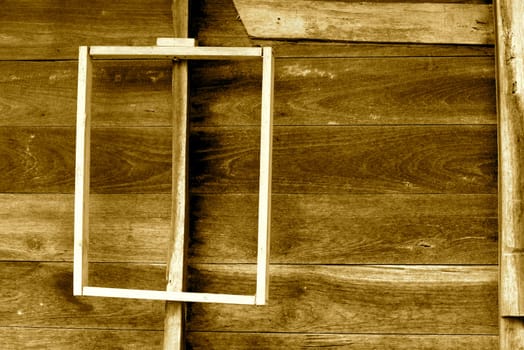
(83, 132)
(174, 323)
(510, 107)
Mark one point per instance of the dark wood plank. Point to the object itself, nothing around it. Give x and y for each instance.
(125, 93)
(447, 159)
(15, 338)
(263, 341)
(435, 23)
(401, 159)
(41, 295)
(51, 29)
(353, 299)
(306, 229)
(349, 91)
(369, 91)
(42, 160)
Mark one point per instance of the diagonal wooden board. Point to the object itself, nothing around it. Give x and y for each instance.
(435, 23)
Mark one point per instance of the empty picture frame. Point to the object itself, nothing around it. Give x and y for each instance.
(81, 214)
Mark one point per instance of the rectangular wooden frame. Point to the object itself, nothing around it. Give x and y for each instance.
(81, 214)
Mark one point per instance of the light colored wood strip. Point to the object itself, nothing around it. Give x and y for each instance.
(172, 52)
(176, 42)
(510, 105)
(175, 316)
(169, 295)
(264, 206)
(81, 224)
(368, 22)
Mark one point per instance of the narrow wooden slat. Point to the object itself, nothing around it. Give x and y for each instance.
(510, 108)
(176, 271)
(137, 93)
(83, 140)
(510, 103)
(264, 192)
(46, 29)
(306, 229)
(280, 341)
(368, 22)
(169, 296)
(82, 339)
(353, 299)
(171, 52)
(402, 159)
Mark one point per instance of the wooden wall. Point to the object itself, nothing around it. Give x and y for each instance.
(385, 187)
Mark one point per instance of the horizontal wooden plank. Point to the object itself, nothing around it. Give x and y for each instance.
(41, 295)
(124, 93)
(306, 229)
(50, 29)
(400, 159)
(320, 299)
(263, 341)
(353, 299)
(370, 91)
(415, 159)
(175, 52)
(42, 160)
(216, 22)
(17, 338)
(369, 22)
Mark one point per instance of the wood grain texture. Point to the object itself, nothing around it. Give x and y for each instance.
(307, 229)
(51, 29)
(368, 22)
(27, 338)
(457, 159)
(279, 341)
(401, 159)
(125, 93)
(130, 228)
(42, 160)
(41, 295)
(216, 22)
(369, 91)
(349, 91)
(353, 299)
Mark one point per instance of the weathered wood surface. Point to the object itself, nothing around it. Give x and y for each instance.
(329, 299)
(280, 341)
(51, 29)
(27, 338)
(368, 22)
(307, 229)
(351, 299)
(401, 159)
(369, 91)
(176, 270)
(40, 295)
(510, 105)
(216, 22)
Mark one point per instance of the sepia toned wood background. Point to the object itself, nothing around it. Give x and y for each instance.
(384, 180)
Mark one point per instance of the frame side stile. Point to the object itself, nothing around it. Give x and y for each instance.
(81, 219)
(264, 213)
